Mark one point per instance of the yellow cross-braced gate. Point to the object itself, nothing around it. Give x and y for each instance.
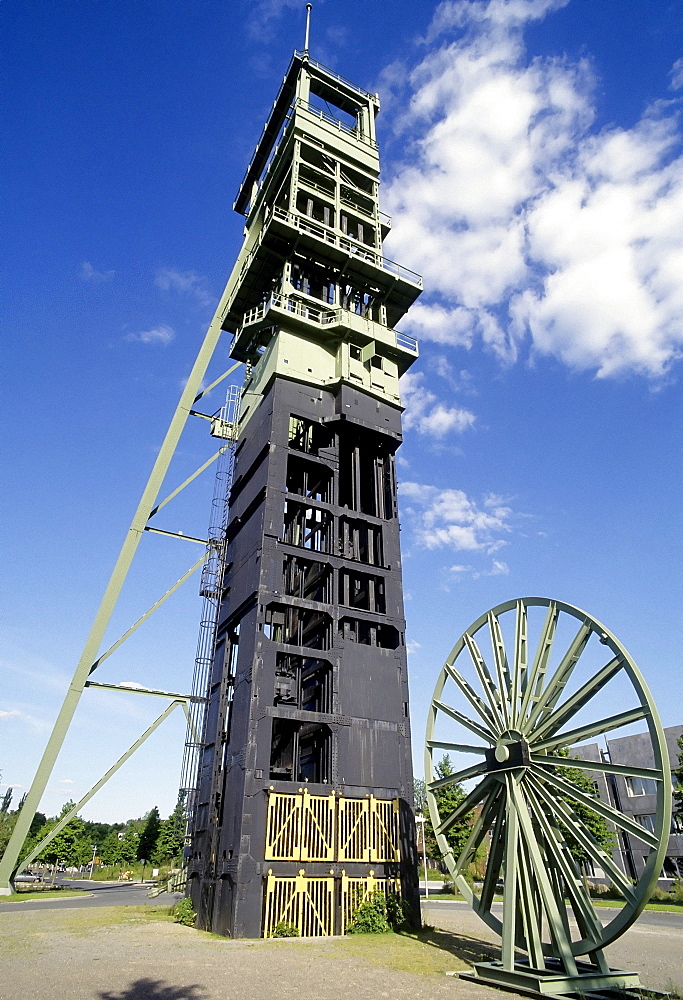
(385, 845)
(307, 903)
(353, 840)
(355, 890)
(300, 827)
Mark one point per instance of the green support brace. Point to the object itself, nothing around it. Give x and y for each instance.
(191, 393)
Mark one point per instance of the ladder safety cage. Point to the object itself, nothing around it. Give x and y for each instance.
(224, 424)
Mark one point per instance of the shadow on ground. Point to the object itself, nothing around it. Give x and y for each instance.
(155, 989)
(468, 949)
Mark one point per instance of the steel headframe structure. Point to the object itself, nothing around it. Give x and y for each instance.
(223, 427)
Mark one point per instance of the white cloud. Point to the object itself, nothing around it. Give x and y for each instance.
(265, 15)
(497, 568)
(677, 75)
(529, 228)
(161, 334)
(88, 273)
(11, 714)
(412, 646)
(426, 414)
(450, 519)
(185, 282)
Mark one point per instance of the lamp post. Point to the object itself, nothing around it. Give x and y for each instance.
(420, 820)
(92, 863)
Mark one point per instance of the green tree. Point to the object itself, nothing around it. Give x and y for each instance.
(149, 835)
(63, 846)
(171, 838)
(448, 799)
(128, 847)
(420, 795)
(109, 848)
(596, 826)
(6, 801)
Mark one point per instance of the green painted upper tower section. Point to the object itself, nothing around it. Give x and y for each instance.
(311, 296)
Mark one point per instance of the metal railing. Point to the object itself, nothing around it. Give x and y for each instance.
(336, 122)
(300, 54)
(313, 314)
(346, 243)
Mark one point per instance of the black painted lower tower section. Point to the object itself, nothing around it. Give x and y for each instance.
(309, 681)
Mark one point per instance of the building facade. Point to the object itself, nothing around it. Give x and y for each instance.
(636, 798)
(304, 796)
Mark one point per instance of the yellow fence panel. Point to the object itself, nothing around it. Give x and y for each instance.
(318, 827)
(308, 903)
(305, 827)
(355, 890)
(386, 845)
(353, 836)
(283, 827)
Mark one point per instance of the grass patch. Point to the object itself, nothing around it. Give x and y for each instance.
(23, 894)
(614, 904)
(617, 904)
(429, 952)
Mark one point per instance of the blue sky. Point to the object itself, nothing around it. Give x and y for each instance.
(532, 162)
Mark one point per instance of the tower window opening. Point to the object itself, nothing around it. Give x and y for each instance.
(303, 682)
(369, 633)
(361, 541)
(300, 752)
(307, 435)
(361, 590)
(307, 580)
(299, 627)
(357, 229)
(360, 302)
(308, 527)
(316, 179)
(315, 209)
(319, 159)
(313, 281)
(310, 480)
(332, 111)
(366, 478)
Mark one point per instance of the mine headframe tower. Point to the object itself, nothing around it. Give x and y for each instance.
(304, 791)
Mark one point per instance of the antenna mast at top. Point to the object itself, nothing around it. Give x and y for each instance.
(309, 7)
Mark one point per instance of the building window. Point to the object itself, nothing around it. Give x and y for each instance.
(646, 820)
(641, 786)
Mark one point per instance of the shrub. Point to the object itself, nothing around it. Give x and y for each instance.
(183, 912)
(660, 895)
(676, 891)
(370, 917)
(399, 912)
(449, 886)
(598, 889)
(283, 929)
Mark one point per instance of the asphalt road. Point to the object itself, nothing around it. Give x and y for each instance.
(98, 894)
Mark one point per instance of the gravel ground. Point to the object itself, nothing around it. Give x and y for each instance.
(122, 954)
(60, 954)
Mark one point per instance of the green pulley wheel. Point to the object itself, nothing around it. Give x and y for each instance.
(526, 683)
